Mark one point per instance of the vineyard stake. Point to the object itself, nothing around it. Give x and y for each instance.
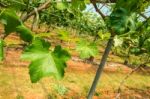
(100, 68)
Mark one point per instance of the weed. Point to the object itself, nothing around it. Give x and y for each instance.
(60, 89)
(19, 97)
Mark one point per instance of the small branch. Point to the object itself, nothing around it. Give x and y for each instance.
(35, 19)
(102, 6)
(144, 16)
(146, 12)
(97, 10)
(125, 78)
(3, 5)
(105, 1)
(3, 36)
(40, 8)
(148, 18)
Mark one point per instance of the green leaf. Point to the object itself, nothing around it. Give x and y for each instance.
(10, 20)
(25, 33)
(61, 54)
(1, 49)
(122, 21)
(12, 23)
(45, 62)
(86, 49)
(36, 49)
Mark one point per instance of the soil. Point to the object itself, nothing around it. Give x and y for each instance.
(12, 58)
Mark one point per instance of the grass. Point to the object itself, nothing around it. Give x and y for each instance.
(15, 82)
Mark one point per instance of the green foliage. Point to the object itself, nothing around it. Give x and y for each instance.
(147, 44)
(1, 49)
(129, 5)
(62, 5)
(89, 23)
(135, 44)
(14, 4)
(78, 4)
(45, 62)
(140, 44)
(86, 49)
(134, 50)
(133, 5)
(84, 22)
(10, 20)
(54, 16)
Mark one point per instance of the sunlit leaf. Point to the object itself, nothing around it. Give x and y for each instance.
(45, 62)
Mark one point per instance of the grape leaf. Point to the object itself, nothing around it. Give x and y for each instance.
(122, 21)
(1, 50)
(86, 49)
(12, 23)
(45, 62)
(25, 33)
(10, 20)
